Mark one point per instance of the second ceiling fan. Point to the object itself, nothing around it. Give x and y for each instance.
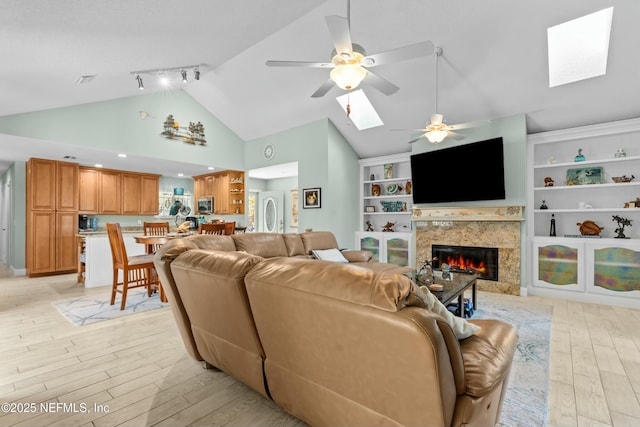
(350, 64)
(437, 130)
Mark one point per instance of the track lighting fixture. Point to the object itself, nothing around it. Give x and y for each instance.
(164, 74)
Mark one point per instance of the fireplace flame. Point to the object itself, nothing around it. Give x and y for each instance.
(464, 263)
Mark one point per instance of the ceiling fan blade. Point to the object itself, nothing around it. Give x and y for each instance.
(299, 64)
(400, 54)
(469, 125)
(382, 84)
(416, 139)
(455, 136)
(322, 90)
(411, 130)
(340, 33)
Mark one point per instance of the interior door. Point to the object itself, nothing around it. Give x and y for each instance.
(5, 213)
(271, 212)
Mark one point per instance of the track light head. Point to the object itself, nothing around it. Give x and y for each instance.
(139, 79)
(196, 73)
(183, 73)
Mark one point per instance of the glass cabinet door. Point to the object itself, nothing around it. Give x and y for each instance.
(371, 244)
(559, 264)
(398, 251)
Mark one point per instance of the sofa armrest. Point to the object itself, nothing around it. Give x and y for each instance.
(357, 256)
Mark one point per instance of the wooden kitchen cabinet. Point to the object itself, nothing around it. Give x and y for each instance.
(131, 193)
(89, 191)
(150, 200)
(52, 216)
(109, 193)
(226, 188)
(114, 192)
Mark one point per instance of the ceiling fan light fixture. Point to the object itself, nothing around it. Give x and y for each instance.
(436, 136)
(348, 76)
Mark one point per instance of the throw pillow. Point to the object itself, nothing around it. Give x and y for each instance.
(329, 255)
(461, 328)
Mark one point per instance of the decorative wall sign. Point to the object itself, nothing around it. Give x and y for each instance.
(192, 134)
(294, 208)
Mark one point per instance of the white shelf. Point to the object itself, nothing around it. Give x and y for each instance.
(588, 186)
(587, 162)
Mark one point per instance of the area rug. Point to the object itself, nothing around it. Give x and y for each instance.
(87, 310)
(525, 403)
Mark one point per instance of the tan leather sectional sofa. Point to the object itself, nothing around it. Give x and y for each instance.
(331, 343)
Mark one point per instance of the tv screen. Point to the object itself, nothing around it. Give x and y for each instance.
(463, 173)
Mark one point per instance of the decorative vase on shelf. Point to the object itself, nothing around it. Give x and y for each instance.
(579, 157)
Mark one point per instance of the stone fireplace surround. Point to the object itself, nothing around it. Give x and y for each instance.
(495, 226)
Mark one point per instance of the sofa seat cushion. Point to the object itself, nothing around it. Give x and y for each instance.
(487, 355)
(266, 245)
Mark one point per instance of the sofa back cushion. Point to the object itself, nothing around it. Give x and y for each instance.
(213, 242)
(318, 240)
(212, 290)
(340, 349)
(266, 245)
(294, 244)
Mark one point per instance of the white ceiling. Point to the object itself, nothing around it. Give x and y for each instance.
(494, 62)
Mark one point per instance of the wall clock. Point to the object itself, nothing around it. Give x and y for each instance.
(269, 152)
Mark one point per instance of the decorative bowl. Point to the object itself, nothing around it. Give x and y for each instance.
(392, 188)
(622, 178)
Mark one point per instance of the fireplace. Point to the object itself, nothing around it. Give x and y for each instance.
(484, 261)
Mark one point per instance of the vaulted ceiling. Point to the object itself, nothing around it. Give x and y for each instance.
(494, 61)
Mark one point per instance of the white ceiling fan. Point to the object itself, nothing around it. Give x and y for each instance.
(350, 64)
(437, 130)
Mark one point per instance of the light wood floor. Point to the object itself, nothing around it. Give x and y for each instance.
(136, 372)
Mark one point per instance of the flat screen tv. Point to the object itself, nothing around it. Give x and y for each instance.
(463, 173)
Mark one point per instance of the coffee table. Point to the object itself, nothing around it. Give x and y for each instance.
(455, 288)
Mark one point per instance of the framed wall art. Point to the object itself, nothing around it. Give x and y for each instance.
(311, 198)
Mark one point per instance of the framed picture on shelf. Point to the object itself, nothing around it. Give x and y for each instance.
(585, 176)
(311, 198)
(388, 171)
(369, 209)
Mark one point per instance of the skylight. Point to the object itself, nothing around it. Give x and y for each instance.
(362, 113)
(578, 49)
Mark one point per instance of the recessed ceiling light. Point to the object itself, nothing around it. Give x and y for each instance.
(578, 49)
(180, 174)
(98, 165)
(122, 155)
(211, 168)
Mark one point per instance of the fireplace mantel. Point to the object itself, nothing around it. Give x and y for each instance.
(471, 213)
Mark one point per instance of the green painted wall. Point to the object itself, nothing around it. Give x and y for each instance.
(513, 131)
(317, 148)
(118, 126)
(14, 181)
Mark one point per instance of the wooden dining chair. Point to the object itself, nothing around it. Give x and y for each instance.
(212, 228)
(229, 228)
(155, 229)
(137, 270)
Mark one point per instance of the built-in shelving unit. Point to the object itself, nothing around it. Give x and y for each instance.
(585, 267)
(385, 197)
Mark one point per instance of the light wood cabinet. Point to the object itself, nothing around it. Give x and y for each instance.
(52, 216)
(89, 191)
(109, 193)
(226, 188)
(114, 192)
(131, 193)
(150, 199)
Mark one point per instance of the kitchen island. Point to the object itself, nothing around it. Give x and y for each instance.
(97, 259)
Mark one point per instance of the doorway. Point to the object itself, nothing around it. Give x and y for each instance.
(271, 218)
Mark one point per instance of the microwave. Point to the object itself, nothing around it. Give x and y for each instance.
(205, 205)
